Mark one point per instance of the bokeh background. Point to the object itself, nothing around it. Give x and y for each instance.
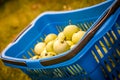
(15, 15)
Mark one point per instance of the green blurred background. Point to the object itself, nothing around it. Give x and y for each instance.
(15, 15)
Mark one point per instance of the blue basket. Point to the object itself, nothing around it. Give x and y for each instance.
(87, 64)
